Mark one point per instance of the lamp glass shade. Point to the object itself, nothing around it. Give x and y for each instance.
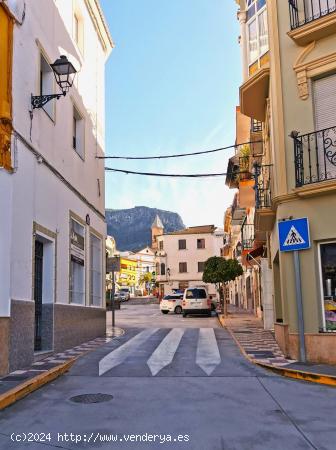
(64, 73)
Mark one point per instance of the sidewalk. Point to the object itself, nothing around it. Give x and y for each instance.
(261, 348)
(20, 383)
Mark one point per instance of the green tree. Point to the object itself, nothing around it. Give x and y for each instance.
(220, 271)
(145, 278)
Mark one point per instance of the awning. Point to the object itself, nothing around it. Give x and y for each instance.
(258, 252)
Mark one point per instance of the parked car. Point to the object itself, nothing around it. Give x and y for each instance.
(122, 296)
(171, 303)
(196, 301)
(118, 298)
(126, 291)
(138, 292)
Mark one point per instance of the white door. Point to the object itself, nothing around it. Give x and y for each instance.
(325, 124)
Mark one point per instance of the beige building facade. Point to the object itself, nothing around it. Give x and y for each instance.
(181, 256)
(294, 95)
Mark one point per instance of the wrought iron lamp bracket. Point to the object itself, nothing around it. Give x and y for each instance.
(38, 101)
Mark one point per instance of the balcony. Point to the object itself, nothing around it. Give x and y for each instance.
(254, 93)
(311, 20)
(264, 214)
(237, 212)
(247, 235)
(315, 157)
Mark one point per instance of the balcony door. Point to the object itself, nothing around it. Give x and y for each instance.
(325, 125)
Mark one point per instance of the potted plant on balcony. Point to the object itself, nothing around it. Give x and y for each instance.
(244, 162)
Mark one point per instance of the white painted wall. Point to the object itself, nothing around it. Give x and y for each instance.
(35, 193)
(6, 195)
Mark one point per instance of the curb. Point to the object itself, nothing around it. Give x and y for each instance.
(296, 374)
(31, 385)
(20, 391)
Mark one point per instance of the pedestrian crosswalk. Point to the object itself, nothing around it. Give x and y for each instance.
(171, 352)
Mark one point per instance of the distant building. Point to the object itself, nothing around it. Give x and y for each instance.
(157, 230)
(111, 246)
(181, 256)
(128, 275)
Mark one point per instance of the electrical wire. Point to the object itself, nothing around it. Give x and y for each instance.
(170, 175)
(180, 155)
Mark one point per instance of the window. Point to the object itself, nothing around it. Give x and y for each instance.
(47, 86)
(95, 270)
(78, 133)
(328, 274)
(78, 31)
(257, 32)
(161, 245)
(200, 243)
(77, 262)
(183, 267)
(201, 266)
(182, 244)
(196, 293)
(163, 269)
(157, 267)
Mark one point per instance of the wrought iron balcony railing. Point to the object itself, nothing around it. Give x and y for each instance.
(305, 11)
(247, 235)
(315, 156)
(262, 176)
(256, 126)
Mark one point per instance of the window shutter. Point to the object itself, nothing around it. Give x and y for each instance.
(325, 102)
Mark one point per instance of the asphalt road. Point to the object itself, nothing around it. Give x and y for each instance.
(176, 384)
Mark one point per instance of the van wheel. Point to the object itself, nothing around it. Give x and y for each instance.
(178, 310)
(165, 312)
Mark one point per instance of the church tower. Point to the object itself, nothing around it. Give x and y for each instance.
(157, 230)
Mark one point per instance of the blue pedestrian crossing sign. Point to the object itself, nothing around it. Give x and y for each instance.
(294, 235)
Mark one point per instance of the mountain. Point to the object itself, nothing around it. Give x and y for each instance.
(131, 228)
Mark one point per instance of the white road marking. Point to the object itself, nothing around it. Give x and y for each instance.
(119, 355)
(164, 353)
(207, 356)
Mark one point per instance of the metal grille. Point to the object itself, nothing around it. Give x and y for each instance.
(262, 176)
(302, 12)
(315, 157)
(91, 398)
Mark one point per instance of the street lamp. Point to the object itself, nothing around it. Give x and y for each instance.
(64, 73)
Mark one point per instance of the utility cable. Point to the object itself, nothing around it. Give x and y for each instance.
(180, 155)
(171, 175)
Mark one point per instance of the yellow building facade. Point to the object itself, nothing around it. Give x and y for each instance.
(6, 55)
(128, 273)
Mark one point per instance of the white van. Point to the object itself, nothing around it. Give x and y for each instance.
(196, 301)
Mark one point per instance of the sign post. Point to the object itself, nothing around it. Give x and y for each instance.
(293, 237)
(112, 266)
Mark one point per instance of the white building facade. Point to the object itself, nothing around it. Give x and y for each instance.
(53, 235)
(181, 256)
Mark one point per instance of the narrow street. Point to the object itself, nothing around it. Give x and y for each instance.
(182, 379)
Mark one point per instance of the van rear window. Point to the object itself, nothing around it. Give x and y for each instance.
(196, 293)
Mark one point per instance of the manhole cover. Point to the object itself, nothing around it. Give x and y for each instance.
(91, 398)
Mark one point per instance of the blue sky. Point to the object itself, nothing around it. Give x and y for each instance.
(171, 87)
